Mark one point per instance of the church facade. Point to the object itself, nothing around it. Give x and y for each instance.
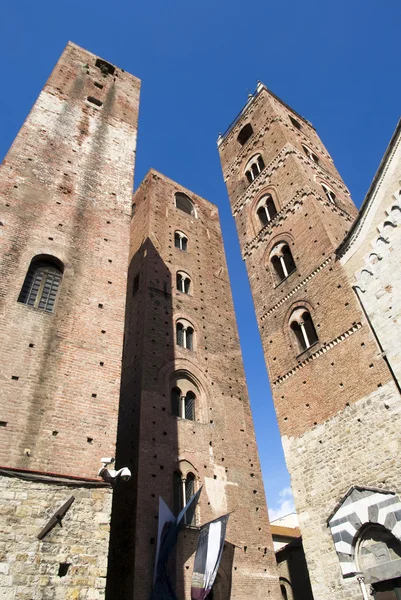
(325, 284)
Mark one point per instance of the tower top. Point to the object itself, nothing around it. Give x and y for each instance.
(251, 99)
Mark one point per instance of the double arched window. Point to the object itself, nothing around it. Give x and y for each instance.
(303, 328)
(183, 283)
(184, 489)
(245, 134)
(282, 261)
(184, 334)
(254, 167)
(183, 404)
(183, 203)
(330, 195)
(180, 240)
(266, 209)
(310, 154)
(42, 283)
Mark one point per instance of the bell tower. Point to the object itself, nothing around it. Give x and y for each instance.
(292, 211)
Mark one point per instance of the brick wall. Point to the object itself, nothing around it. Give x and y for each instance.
(66, 192)
(219, 445)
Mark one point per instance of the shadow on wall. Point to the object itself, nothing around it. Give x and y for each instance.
(147, 431)
(293, 570)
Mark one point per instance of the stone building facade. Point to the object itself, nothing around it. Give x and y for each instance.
(325, 295)
(80, 256)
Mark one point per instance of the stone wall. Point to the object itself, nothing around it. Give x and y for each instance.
(358, 446)
(70, 562)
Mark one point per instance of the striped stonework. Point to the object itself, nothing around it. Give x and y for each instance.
(362, 506)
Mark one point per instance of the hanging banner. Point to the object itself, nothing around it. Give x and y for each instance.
(163, 588)
(166, 517)
(208, 556)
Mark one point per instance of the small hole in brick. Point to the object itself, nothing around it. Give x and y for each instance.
(152, 540)
(110, 282)
(63, 569)
(110, 261)
(211, 421)
(3, 423)
(101, 364)
(50, 238)
(379, 385)
(98, 85)
(54, 433)
(31, 345)
(363, 343)
(103, 331)
(89, 440)
(214, 476)
(100, 305)
(164, 432)
(370, 366)
(14, 377)
(255, 491)
(245, 548)
(94, 395)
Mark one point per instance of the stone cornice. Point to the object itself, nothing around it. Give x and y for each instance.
(296, 288)
(268, 171)
(322, 350)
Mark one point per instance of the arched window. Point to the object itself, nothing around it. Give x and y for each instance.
(266, 209)
(282, 261)
(185, 335)
(302, 325)
(329, 193)
(180, 241)
(183, 282)
(41, 284)
(295, 123)
(310, 154)
(254, 167)
(245, 134)
(184, 489)
(183, 405)
(184, 203)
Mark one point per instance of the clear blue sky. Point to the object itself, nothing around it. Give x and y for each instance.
(337, 63)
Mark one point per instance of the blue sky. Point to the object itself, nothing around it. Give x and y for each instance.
(336, 63)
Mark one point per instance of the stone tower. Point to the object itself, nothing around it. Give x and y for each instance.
(66, 194)
(185, 419)
(292, 211)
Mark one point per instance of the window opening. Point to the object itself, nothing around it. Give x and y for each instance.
(183, 405)
(304, 330)
(329, 193)
(41, 285)
(310, 154)
(184, 489)
(282, 261)
(105, 67)
(180, 241)
(183, 203)
(266, 210)
(245, 134)
(295, 123)
(95, 101)
(183, 283)
(184, 336)
(254, 168)
(135, 286)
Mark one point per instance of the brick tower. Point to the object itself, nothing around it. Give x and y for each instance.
(66, 193)
(185, 419)
(292, 210)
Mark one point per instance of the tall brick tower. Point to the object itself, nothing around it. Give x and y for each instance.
(292, 210)
(185, 419)
(66, 194)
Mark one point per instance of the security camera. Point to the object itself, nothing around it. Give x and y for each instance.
(112, 476)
